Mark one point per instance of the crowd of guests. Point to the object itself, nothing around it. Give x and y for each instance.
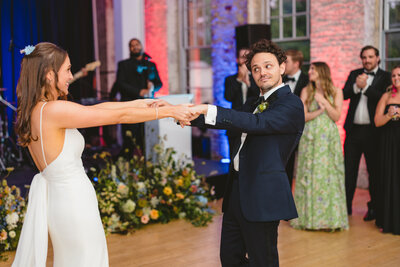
(326, 177)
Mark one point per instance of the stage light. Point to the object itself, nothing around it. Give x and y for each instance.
(225, 161)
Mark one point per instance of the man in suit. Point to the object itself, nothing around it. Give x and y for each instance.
(137, 77)
(238, 88)
(364, 87)
(258, 194)
(297, 80)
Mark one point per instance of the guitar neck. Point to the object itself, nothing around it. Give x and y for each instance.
(77, 75)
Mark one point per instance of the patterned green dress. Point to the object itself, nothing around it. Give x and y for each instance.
(319, 192)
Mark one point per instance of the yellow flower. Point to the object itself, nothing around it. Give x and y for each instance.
(142, 202)
(154, 214)
(9, 169)
(7, 190)
(167, 190)
(180, 182)
(180, 195)
(139, 213)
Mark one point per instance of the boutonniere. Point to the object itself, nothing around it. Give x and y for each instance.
(262, 107)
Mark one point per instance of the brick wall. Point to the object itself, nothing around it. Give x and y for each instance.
(336, 37)
(156, 38)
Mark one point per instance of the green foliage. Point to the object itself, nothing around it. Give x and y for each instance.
(134, 192)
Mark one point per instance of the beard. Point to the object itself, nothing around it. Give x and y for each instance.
(266, 87)
(135, 55)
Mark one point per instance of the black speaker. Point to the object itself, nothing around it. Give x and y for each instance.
(248, 34)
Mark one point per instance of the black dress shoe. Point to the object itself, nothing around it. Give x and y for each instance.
(369, 216)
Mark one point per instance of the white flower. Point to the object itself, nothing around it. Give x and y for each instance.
(163, 181)
(147, 211)
(141, 187)
(12, 234)
(114, 218)
(113, 171)
(197, 182)
(12, 219)
(154, 201)
(182, 215)
(123, 189)
(129, 206)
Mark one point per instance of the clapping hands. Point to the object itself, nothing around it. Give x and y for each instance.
(321, 100)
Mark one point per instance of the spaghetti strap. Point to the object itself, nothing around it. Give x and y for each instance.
(41, 135)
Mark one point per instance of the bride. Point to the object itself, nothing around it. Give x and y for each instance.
(62, 200)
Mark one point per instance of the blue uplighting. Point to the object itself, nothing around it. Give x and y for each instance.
(225, 160)
(95, 179)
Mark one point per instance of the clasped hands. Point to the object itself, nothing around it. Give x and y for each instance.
(183, 113)
(393, 112)
(321, 100)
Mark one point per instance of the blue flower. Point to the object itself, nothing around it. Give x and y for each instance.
(28, 49)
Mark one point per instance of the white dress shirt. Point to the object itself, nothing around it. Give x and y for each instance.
(292, 84)
(211, 116)
(361, 115)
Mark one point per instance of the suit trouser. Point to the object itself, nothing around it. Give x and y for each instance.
(361, 139)
(240, 236)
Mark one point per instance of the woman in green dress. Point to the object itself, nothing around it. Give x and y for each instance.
(319, 191)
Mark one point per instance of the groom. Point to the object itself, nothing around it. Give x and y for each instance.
(258, 194)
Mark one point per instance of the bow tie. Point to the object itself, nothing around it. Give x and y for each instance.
(288, 79)
(370, 73)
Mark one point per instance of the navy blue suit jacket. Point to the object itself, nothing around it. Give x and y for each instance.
(265, 194)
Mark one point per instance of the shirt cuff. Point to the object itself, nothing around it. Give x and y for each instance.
(211, 116)
(356, 89)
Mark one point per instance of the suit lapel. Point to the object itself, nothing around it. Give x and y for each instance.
(377, 77)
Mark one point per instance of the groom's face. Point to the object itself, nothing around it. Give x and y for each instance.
(266, 70)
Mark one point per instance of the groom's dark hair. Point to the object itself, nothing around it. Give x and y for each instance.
(265, 46)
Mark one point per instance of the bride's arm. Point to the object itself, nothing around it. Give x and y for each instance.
(66, 114)
(138, 103)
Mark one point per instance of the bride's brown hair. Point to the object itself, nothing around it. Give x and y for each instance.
(33, 85)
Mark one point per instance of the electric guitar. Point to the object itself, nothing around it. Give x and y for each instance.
(89, 67)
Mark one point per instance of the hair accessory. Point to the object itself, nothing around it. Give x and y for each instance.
(27, 50)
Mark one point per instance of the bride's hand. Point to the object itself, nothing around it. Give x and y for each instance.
(160, 103)
(182, 114)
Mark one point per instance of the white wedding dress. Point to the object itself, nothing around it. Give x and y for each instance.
(63, 203)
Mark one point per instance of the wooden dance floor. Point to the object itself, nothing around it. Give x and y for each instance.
(180, 244)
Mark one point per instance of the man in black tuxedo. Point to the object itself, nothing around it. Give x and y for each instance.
(364, 87)
(258, 194)
(238, 88)
(137, 77)
(297, 80)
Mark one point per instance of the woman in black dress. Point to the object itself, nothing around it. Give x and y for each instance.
(387, 118)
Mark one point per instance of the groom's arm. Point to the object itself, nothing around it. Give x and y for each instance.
(284, 117)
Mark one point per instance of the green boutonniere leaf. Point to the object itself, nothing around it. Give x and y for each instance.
(262, 107)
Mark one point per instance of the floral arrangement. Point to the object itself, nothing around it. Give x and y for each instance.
(133, 193)
(12, 213)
